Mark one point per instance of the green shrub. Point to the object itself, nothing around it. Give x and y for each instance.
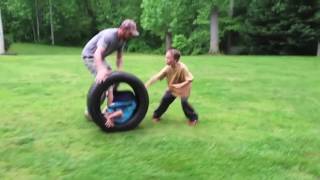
(137, 45)
(181, 42)
(200, 41)
(197, 43)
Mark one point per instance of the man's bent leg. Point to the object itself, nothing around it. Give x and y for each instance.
(89, 63)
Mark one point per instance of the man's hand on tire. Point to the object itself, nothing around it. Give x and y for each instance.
(102, 75)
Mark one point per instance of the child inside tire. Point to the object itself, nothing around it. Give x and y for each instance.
(121, 106)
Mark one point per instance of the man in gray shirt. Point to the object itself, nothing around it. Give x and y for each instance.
(103, 44)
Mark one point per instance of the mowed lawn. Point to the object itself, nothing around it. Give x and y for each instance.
(259, 119)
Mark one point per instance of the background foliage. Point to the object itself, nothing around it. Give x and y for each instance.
(252, 27)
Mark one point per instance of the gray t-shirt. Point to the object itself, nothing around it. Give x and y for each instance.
(108, 39)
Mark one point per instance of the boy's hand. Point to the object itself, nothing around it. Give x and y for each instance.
(177, 86)
(180, 85)
(146, 85)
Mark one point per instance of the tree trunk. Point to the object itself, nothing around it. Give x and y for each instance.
(229, 35)
(37, 19)
(231, 7)
(33, 30)
(2, 49)
(318, 53)
(214, 34)
(51, 23)
(168, 40)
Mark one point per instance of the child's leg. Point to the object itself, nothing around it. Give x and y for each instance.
(188, 109)
(108, 97)
(109, 94)
(167, 99)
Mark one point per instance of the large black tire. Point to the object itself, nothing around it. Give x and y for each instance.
(97, 90)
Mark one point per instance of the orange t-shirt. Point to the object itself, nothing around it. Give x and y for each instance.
(178, 74)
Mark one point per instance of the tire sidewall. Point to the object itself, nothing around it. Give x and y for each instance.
(141, 94)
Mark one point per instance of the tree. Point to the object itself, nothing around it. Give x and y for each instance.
(18, 19)
(214, 31)
(166, 18)
(230, 14)
(210, 9)
(51, 23)
(71, 23)
(37, 19)
(156, 17)
(232, 28)
(318, 52)
(1, 36)
(287, 27)
(317, 16)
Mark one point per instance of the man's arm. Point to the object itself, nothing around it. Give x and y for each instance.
(98, 57)
(102, 71)
(119, 60)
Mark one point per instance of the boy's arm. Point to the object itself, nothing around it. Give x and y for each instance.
(156, 77)
(180, 85)
(151, 81)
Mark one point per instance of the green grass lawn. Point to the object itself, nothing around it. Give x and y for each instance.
(259, 119)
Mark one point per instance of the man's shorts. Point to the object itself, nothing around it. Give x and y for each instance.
(89, 63)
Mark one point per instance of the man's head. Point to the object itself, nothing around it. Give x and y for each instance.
(128, 29)
(172, 56)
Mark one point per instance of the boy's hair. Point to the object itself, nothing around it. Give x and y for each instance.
(175, 53)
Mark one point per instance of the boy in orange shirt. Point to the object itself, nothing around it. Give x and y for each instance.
(179, 81)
